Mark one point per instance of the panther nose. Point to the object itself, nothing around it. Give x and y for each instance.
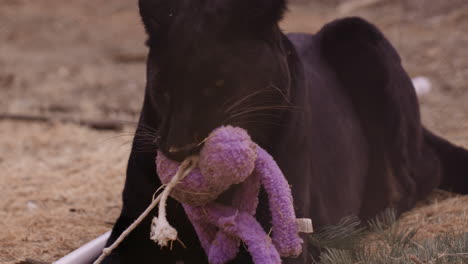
(180, 153)
(183, 148)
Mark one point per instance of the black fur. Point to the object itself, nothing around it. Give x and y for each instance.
(336, 110)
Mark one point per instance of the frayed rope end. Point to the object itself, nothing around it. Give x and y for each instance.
(162, 232)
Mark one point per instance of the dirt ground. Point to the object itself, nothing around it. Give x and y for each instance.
(61, 182)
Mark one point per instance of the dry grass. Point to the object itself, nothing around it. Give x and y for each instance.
(60, 188)
(440, 214)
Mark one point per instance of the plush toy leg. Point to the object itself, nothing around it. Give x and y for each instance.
(224, 248)
(285, 232)
(245, 199)
(206, 232)
(246, 227)
(219, 246)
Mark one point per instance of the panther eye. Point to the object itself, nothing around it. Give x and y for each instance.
(166, 96)
(154, 25)
(210, 91)
(219, 83)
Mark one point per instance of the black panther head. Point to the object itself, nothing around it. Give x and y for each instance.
(213, 63)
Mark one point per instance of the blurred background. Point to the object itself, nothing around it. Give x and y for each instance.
(74, 73)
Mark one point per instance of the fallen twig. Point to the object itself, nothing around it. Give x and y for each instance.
(351, 6)
(130, 57)
(32, 261)
(94, 124)
(415, 260)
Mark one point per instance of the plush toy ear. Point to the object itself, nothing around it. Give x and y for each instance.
(261, 13)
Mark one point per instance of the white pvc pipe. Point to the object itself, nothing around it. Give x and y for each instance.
(422, 85)
(87, 253)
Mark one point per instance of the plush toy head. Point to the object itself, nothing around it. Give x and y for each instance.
(227, 157)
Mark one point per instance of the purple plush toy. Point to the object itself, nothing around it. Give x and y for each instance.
(229, 157)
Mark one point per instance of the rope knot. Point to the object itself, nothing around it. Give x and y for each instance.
(162, 232)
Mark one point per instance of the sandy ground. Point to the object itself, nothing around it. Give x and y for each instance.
(61, 183)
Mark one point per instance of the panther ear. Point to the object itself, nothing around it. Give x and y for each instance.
(261, 13)
(156, 14)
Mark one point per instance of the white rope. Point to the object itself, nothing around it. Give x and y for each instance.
(161, 231)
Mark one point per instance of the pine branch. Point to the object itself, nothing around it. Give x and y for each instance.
(336, 256)
(344, 235)
(385, 242)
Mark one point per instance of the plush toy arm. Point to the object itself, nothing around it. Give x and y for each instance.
(285, 232)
